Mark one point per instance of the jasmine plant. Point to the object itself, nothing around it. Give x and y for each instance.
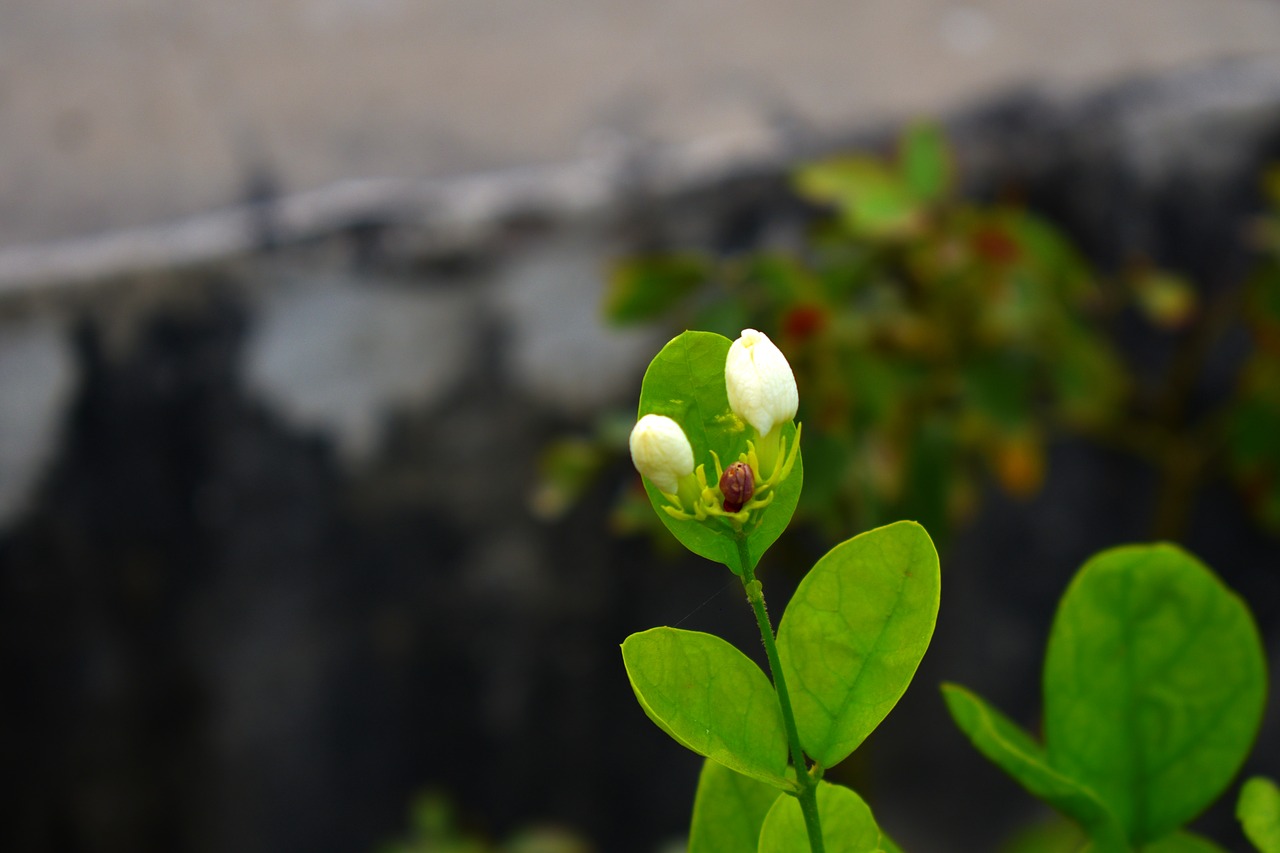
(719, 453)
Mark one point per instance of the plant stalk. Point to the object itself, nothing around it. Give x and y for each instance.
(808, 793)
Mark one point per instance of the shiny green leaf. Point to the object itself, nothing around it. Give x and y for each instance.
(854, 633)
(711, 698)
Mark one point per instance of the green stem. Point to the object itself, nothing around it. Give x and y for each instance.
(808, 793)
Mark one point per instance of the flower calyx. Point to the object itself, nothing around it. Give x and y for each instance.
(735, 492)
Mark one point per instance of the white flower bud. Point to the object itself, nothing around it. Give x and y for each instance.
(661, 452)
(761, 386)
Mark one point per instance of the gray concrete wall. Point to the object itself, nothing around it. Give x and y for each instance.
(120, 113)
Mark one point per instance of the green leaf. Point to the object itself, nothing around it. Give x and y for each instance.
(847, 824)
(1057, 834)
(1259, 812)
(925, 162)
(685, 382)
(871, 199)
(854, 633)
(1182, 842)
(711, 698)
(1154, 685)
(1013, 751)
(728, 811)
(643, 289)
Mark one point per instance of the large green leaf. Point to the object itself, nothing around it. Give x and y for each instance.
(1014, 752)
(728, 811)
(854, 633)
(1259, 812)
(847, 824)
(1154, 684)
(711, 698)
(685, 382)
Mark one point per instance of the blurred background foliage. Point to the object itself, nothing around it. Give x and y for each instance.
(435, 827)
(939, 342)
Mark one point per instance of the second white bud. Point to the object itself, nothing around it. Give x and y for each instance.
(758, 378)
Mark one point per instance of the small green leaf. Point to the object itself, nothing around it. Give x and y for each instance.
(1154, 686)
(1259, 812)
(847, 824)
(926, 162)
(728, 811)
(685, 382)
(1167, 300)
(1056, 834)
(711, 698)
(643, 289)
(872, 200)
(1013, 751)
(854, 633)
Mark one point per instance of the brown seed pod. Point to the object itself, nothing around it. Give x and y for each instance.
(737, 484)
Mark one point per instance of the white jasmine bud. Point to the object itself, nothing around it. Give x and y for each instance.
(761, 386)
(660, 451)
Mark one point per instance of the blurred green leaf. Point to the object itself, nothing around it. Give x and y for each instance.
(871, 199)
(1154, 686)
(1182, 842)
(847, 824)
(710, 698)
(1055, 835)
(1013, 751)
(565, 469)
(926, 162)
(1258, 810)
(642, 289)
(1168, 301)
(854, 633)
(1047, 254)
(728, 811)
(1000, 385)
(546, 840)
(1271, 184)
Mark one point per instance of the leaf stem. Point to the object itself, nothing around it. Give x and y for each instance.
(808, 784)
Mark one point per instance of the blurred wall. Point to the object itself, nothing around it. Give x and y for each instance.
(120, 113)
